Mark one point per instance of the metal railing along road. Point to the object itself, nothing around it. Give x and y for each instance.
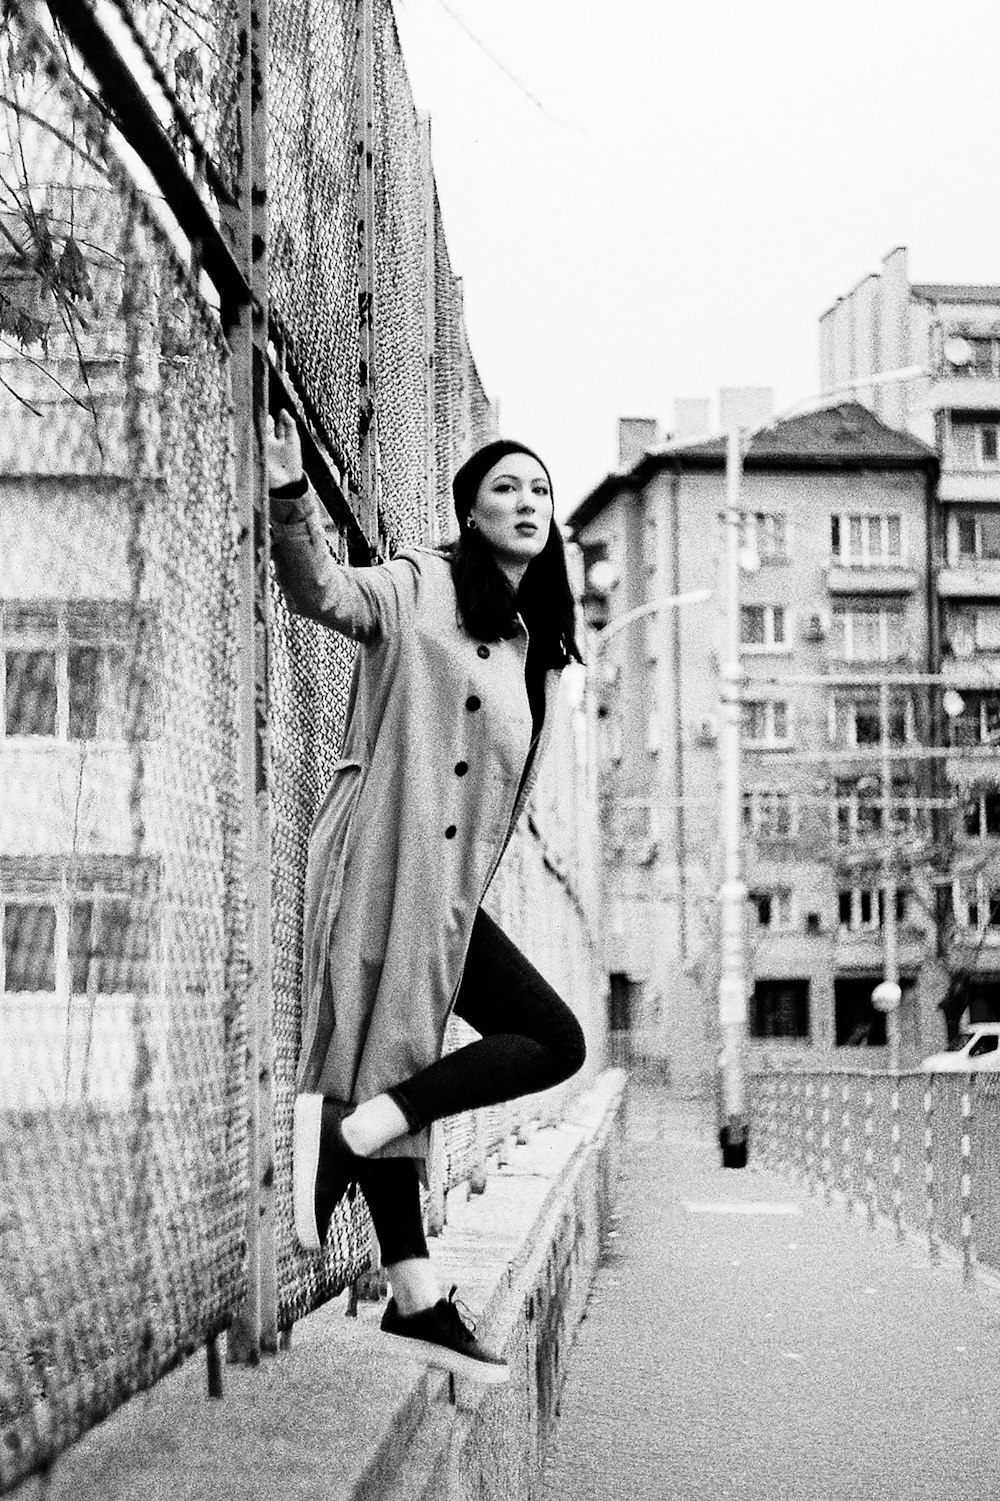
(922, 1149)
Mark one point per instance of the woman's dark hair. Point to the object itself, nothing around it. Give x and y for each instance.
(488, 604)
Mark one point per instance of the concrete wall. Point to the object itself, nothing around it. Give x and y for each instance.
(339, 1416)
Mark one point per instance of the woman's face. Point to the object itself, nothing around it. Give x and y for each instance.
(513, 512)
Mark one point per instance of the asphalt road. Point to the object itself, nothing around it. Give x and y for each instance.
(744, 1342)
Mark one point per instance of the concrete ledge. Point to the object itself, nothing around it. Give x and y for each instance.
(338, 1416)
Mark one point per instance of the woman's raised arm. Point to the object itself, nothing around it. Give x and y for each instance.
(362, 603)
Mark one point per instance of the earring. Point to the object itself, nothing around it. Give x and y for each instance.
(471, 523)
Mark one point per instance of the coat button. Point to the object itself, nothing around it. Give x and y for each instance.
(461, 767)
(483, 651)
(472, 703)
(450, 831)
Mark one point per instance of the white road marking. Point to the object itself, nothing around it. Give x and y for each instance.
(740, 1206)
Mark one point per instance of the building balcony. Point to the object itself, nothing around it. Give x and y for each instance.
(972, 580)
(863, 951)
(968, 484)
(982, 670)
(963, 393)
(868, 578)
(973, 766)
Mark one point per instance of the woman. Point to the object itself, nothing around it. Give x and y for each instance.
(450, 708)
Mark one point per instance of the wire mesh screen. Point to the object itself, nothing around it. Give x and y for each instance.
(312, 198)
(310, 680)
(401, 341)
(125, 1192)
(193, 47)
(123, 1153)
(464, 418)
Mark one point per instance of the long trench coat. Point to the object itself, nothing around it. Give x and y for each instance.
(436, 766)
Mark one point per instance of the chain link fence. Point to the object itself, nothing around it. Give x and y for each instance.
(149, 980)
(123, 1150)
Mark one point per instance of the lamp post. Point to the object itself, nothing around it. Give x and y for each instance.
(732, 998)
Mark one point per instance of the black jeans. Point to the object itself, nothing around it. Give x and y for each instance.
(529, 1040)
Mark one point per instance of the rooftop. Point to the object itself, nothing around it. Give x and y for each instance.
(844, 435)
(934, 291)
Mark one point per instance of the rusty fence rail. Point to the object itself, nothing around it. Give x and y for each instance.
(167, 727)
(921, 1149)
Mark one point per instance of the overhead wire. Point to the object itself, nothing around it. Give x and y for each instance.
(502, 66)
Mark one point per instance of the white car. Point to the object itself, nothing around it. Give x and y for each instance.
(978, 1049)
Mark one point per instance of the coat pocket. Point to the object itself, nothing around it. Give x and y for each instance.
(325, 865)
(336, 807)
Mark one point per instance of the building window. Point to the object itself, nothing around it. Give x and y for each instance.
(763, 627)
(866, 540)
(979, 721)
(981, 815)
(78, 671)
(976, 537)
(985, 364)
(969, 631)
(77, 931)
(29, 947)
(80, 948)
(780, 1008)
(766, 533)
(766, 721)
(857, 1024)
(863, 908)
(859, 811)
(868, 633)
(987, 444)
(89, 934)
(857, 720)
(772, 908)
(769, 815)
(976, 906)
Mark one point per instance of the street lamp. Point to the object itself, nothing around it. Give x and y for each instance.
(732, 998)
(733, 988)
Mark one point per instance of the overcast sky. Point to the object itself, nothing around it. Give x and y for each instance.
(690, 185)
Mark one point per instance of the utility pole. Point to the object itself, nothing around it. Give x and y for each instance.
(732, 893)
(887, 995)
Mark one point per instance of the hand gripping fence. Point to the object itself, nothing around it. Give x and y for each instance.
(168, 727)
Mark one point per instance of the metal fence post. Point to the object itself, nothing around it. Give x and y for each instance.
(477, 1177)
(897, 1161)
(845, 1144)
(810, 1137)
(367, 310)
(245, 226)
(430, 334)
(870, 1192)
(968, 1248)
(826, 1163)
(933, 1245)
(437, 1216)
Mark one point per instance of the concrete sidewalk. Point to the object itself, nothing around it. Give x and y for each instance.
(744, 1342)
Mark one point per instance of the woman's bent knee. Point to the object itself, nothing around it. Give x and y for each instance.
(572, 1054)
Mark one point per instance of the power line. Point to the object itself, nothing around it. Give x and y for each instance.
(512, 77)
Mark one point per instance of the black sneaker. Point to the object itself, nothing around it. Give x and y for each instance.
(441, 1337)
(322, 1166)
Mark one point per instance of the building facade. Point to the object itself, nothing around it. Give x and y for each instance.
(947, 337)
(838, 513)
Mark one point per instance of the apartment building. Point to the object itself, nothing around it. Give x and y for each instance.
(838, 515)
(946, 340)
(118, 792)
